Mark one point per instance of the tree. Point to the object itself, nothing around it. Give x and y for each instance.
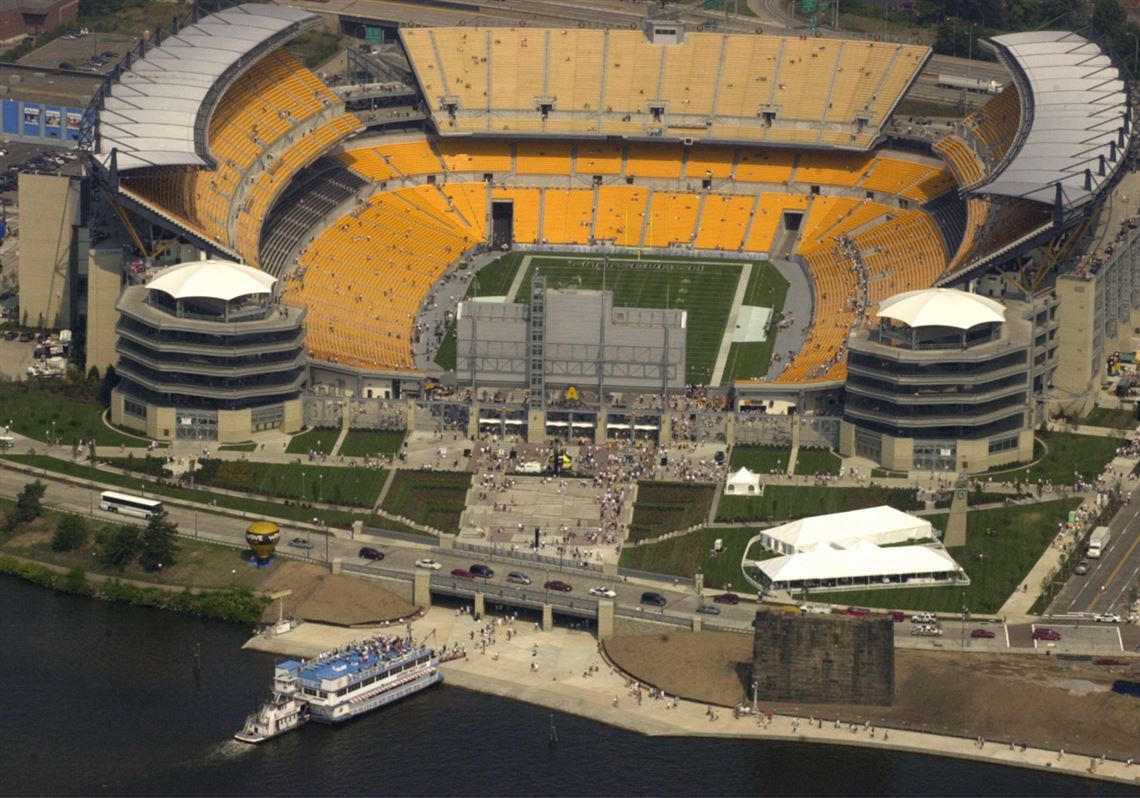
(70, 533)
(158, 542)
(119, 546)
(28, 506)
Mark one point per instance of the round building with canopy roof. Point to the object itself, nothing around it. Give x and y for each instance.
(942, 382)
(206, 352)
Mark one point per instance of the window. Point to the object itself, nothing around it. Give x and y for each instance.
(133, 407)
(1003, 444)
(265, 418)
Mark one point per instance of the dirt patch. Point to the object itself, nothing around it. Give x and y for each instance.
(332, 598)
(1001, 697)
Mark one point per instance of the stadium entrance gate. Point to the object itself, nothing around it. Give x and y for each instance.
(502, 224)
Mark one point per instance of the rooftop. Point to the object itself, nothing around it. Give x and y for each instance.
(212, 279)
(157, 112)
(941, 307)
(1076, 115)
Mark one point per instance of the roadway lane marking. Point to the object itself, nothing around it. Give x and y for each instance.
(1116, 570)
(1119, 637)
(1124, 586)
(1005, 628)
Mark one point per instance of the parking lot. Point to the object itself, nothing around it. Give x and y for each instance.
(16, 357)
(78, 53)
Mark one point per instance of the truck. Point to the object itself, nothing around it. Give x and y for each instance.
(1098, 542)
(983, 85)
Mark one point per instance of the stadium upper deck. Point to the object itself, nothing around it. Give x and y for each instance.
(661, 83)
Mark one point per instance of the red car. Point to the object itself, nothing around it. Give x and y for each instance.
(727, 598)
(985, 634)
(858, 612)
(898, 616)
(560, 586)
(1046, 634)
(462, 573)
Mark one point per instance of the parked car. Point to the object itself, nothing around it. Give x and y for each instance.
(603, 591)
(462, 573)
(481, 570)
(428, 563)
(898, 616)
(653, 598)
(369, 553)
(926, 630)
(1106, 617)
(815, 609)
(727, 598)
(1082, 568)
(924, 617)
(1046, 634)
(858, 612)
(984, 634)
(559, 585)
(301, 543)
(518, 578)
(709, 609)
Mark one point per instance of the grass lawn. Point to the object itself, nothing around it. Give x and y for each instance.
(496, 277)
(255, 507)
(318, 439)
(760, 459)
(996, 563)
(766, 288)
(703, 288)
(446, 354)
(663, 507)
(40, 414)
(1117, 417)
(784, 502)
(366, 442)
(817, 461)
(1067, 453)
(197, 563)
(686, 555)
(433, 498)
(356, 487)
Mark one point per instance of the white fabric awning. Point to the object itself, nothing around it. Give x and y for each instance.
(941, 307)
(212, 279)
(862, 562)
(882, 525)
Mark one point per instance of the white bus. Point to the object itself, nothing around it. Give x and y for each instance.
(129, 505)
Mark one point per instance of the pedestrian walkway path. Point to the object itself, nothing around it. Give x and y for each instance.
(564, 670)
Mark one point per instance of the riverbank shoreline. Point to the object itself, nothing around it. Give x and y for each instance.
(564, 670)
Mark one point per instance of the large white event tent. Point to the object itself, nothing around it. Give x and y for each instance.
(851, 549)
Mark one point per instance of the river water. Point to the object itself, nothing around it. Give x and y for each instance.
(102, 699)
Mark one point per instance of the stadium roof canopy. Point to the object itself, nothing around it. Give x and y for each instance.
(1076, 123)
(212, 279)
(157, 111)
(941, 307)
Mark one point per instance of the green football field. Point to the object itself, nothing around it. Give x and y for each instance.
(704, 287)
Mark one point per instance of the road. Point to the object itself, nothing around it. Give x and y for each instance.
(1105, 587)
(1077, 636)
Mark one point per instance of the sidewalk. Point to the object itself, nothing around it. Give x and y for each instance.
(564, 670)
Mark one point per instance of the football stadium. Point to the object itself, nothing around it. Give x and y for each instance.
(655, 231)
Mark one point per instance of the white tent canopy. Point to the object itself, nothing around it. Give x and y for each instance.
(878, 525)
(743, 482)
(864, 562)
(847, 549)
(941, 307)
(212, 279)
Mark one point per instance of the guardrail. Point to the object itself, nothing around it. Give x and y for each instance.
(561, 563)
